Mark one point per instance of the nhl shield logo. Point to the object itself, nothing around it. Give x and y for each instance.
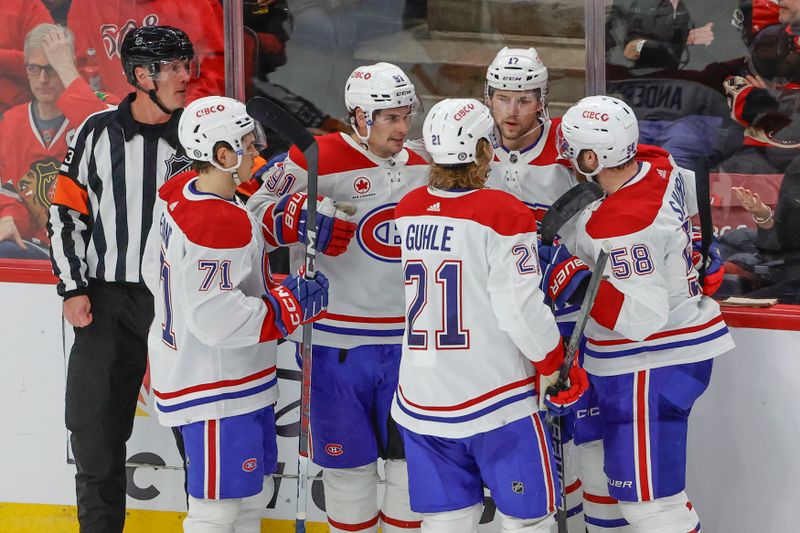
(518, 487)
(176, 164)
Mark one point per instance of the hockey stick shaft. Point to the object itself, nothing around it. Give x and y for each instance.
(702, 188)
(276, 118)
(557, 423)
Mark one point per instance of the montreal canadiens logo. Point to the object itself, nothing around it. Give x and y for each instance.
(378, 236)
(362, 185)
(334, 449)
(250, 464)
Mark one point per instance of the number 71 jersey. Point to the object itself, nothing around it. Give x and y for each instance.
(475, 314)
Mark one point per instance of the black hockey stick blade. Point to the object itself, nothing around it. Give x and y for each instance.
(567, 206)
(276, 118)
(703, 189)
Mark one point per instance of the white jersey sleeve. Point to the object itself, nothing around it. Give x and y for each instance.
(517, 301)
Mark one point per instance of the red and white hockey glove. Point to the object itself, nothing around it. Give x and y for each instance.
(285, 223)
(561, 397)
(715, 268)
(296, 301)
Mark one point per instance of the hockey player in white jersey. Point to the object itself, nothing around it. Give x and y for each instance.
(527, 163)
(217, 314)
(476, 328)
(652, 334)
(357, 346)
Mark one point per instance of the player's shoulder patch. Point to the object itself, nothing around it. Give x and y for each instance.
(210, 222)
(175, 185)
(632, 208)
(413, 203)
(492, 208)
(335, 155)
(414, 158)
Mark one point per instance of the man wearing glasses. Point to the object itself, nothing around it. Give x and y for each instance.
(34, 136)
(100, 217)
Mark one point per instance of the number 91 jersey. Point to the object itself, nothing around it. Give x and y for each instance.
(474, 312)
(650, 311)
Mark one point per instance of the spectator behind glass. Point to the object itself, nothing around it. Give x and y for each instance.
(20, 17)
(103, 26)
(767, 102)
(266, 23)
(680, 110)
(34, 135)
(652, 34)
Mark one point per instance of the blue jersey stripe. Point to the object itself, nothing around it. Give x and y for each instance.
(218, 397)
(360, 332)
(575, 510)
(654, 348)
(599, 522)
(470, 416)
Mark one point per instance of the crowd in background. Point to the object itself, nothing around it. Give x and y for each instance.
(671, 60)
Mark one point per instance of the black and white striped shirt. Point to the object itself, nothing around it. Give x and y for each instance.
(102, 209)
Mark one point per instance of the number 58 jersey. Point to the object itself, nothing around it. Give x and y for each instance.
(650, 311)
(475, 314)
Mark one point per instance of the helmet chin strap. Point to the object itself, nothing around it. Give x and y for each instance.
(233, 171)
(591, 175)
(152, 93)
(368, 121)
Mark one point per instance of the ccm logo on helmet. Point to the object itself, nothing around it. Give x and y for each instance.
(378, 236)
(594, 115)
(210, 110)
(361, 75)
(463, 112)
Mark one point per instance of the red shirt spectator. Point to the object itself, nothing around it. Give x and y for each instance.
(34, 136)
(103, 25)
(20, 17)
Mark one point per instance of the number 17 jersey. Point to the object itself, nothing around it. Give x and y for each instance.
(475, 314)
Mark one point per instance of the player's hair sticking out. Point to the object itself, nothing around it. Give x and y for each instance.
(202, 167)
(466, 176)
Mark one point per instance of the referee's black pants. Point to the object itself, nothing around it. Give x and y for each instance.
(106, 367)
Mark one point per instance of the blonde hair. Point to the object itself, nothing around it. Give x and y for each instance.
(36, 37)
(466, 176)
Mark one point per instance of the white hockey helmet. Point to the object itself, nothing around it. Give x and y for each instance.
(213, 119)
(453, 128)
(603, 124)
(375, 87)
(517, 69)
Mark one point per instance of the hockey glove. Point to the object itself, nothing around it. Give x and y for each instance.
(560, 398)
(285, 223)
(298, 300)
(564, 276)
(715, 269)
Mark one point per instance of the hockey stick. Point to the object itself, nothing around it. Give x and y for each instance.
(702, 187)
(557, 423)
(567, 206)
(277, 119)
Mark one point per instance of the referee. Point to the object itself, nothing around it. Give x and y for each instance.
(99, 220)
